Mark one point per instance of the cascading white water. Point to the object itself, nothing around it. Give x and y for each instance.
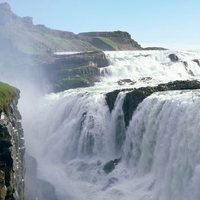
(158, 153)
(163, 141)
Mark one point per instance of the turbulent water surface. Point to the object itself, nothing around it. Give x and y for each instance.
(73, 135)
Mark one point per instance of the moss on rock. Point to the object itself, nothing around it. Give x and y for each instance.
(7, 94)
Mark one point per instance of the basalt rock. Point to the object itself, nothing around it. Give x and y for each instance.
(75, 70)
(71, 61)
(173, 57)
(135, 96)
(12, 149)
(110, 166)
(197, 61)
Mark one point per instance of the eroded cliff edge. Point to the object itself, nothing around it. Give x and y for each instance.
(12, 148)
(135, 96)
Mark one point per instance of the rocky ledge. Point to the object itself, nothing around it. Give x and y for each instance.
(135, 96)
(12, 149)
(68, 71)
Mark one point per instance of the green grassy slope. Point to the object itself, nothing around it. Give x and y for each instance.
(7, 94)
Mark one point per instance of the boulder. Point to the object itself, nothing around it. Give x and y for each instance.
(110, 166)
(124, 81)
(173, 57)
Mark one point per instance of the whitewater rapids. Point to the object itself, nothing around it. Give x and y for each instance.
(159, 152)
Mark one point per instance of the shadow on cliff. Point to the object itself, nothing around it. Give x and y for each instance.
(36, 188)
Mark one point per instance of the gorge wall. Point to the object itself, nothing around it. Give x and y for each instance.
(74, 70)
(33, 44)
(12, 148)
(31, 39)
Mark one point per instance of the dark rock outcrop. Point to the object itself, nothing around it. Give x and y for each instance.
(110, 166)
(75, 70)
(70, 61)
(173, 57)
(154, 48)
(135, 96)
(124, 81)
(197, 61)
(12, 149)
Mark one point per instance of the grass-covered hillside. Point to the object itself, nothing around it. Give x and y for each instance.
(7, 94)
(24, 36)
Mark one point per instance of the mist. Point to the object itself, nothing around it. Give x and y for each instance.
(33, 85)
(76, 147)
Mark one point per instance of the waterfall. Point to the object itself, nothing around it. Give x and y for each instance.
(163, 141)
(88, 153)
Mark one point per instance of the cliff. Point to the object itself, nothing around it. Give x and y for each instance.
(74, 70)
(12, 149)
(33, 50)
(32, 44)
(110, 41)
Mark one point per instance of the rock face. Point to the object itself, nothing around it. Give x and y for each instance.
(39, 40)
(136, 96)
(70, 61)
(117, 40)
(12, 149)
(173, 57)
(74, 70)
(36, 188)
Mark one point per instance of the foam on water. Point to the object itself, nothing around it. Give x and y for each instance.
(159, 152)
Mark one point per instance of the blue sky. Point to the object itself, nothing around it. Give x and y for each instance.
(173, 24)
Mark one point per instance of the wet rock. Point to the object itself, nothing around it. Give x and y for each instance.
(173, 57)
(3, 188)
(110, 166)
(135, 96)
(185, 63)
(110, 183)
(197, 61)
(124, 81)
(99, 163)
(12, 148)
(145, 79)
(111, 97)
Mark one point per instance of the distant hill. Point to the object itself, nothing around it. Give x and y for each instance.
(25, 46)
(38, 39)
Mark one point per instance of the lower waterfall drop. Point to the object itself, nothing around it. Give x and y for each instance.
(159, 157)
(86, 152)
